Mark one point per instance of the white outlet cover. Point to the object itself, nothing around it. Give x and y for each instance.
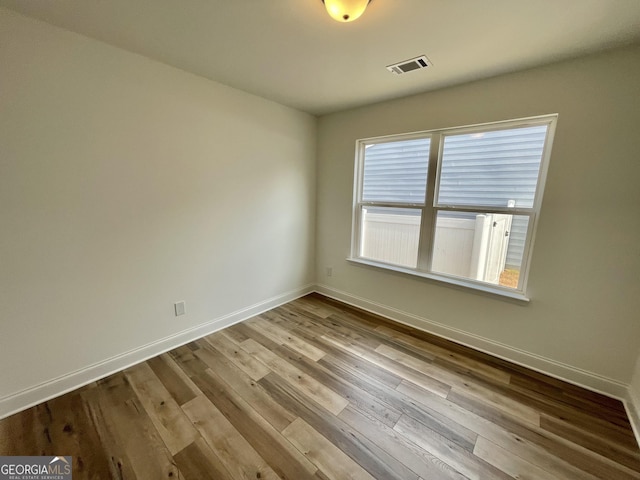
(179, 308)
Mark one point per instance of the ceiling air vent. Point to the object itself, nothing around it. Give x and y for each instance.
(409, 65)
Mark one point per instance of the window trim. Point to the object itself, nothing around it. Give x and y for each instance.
(430, 207)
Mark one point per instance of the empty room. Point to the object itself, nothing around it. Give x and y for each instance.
(319, 239)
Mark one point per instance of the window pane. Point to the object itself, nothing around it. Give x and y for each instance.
(396, 171)
(390, 235)
(486, 247)
(492, 169)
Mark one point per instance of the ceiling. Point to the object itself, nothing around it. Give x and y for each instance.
(292, 52)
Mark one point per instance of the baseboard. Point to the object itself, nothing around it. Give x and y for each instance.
(27, 398)
(553, 368)
(632, 404)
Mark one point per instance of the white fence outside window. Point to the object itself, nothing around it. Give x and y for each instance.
(473, 247)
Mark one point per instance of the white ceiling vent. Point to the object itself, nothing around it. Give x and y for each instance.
(409, 65)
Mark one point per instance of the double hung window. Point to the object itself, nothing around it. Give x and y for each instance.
(458, 205)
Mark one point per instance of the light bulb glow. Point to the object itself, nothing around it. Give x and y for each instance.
(345, 10)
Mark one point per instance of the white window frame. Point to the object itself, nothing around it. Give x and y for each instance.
(430, 208)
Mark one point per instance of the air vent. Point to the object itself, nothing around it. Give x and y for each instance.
(409, 65)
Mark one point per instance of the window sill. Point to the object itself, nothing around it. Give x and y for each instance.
(442, 278)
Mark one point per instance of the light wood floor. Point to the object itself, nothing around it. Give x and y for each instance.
(316, 389)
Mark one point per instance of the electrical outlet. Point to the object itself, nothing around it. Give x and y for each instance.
(179, 308)
(329, 271)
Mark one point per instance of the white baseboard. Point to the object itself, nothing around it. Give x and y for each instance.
(29, 397)
(632, 404)
(553, 368)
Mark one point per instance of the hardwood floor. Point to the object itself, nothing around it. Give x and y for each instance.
(319, 390)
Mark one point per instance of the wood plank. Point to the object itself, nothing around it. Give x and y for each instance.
(375, 320)
(406, 359)
(289, 315)
(608, 427)
(401, 370)
(17, 434)
(600, 425)
(361, 449)
(462, 436)
(586, 401)
(382, 411)
(321, 309)
(57, 426)
(279, 335)
(333, 463)
(71, 430)
(449, 452)
(508, 462)
(234, 333)
(230, 349)
(466, 385)
(592, 441)
(170, 421)
(285, 460)
(198, 462)
(508, 406)
(597, 465)
(414, 457)
(187, 361)
(234, 451)
(478, 367)
(177, 383)
(127, 435)
(368, 369)
(247, 388)
(536, 454)
(326, 397)
(539, 381)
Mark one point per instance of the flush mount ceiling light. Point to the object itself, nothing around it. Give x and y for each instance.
(345, 10)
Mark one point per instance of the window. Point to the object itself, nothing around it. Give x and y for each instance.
(458, 205)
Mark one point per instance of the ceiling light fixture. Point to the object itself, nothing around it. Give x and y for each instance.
(345, 10)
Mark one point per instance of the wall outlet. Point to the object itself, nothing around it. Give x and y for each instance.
(329, 271)
(179, 308)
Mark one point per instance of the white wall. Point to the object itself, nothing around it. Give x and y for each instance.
(127, 185)
(582, 322)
